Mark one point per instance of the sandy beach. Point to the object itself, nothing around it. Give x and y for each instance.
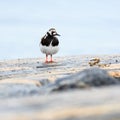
(23, 95)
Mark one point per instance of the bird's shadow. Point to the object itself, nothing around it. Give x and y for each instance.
(47, 65)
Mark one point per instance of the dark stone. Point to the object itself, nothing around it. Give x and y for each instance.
(116, 61)
(94, 61)
(44, 82)
(93, 77)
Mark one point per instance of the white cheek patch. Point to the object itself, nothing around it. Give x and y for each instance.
(54, 33)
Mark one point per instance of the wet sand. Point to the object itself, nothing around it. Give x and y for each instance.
(21, 82)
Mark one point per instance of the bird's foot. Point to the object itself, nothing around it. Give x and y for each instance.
(51, 61)
(46, 61)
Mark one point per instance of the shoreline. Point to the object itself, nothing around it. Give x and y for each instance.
(58, 56)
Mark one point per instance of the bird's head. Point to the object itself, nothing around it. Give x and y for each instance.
(52, 32)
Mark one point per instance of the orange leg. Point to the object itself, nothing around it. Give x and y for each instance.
(51, 60)
(46, 61)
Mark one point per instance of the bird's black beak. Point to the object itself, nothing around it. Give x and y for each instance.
(57, 34)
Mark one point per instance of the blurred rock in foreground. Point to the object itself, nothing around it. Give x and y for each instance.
(89, 77)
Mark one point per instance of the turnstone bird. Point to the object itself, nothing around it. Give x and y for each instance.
(49, 44)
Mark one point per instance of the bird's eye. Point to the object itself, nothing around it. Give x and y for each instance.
(53, 33)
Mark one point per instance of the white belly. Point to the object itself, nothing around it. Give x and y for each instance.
(49, 50)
